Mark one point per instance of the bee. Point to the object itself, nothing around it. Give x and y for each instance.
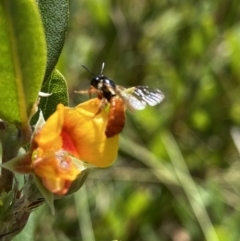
(118, 97)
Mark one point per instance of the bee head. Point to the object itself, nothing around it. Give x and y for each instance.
(96, 82)
(102, 83)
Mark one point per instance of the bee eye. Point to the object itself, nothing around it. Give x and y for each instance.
(94, 82)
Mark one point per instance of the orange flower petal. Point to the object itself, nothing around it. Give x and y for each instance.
(57, 186)
(56, 170)
(86, 133)
(48, 138)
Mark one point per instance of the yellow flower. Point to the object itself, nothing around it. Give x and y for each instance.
(72, 134)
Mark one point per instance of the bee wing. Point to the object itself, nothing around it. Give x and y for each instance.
(137, 98)
(130, 101)
(150, 96)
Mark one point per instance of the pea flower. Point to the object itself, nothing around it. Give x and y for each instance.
(70, 141)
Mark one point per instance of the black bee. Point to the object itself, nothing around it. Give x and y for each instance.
(134, 98)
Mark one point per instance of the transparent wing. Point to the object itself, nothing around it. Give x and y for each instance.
(150, 96)
(131, 101)
(137, 98)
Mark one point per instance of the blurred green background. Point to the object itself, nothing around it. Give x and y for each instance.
(177, 173)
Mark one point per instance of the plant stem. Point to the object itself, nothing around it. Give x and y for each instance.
(9, 136)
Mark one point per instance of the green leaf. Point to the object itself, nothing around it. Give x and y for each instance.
(49, 197)
(6, 204)
(22, 61)
(55, 20)
(77, 184)
(57, 86)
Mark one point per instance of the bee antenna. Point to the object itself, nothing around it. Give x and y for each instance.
(87, 69)
(103, 64)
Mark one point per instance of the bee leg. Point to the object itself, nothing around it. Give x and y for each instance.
(81, 91)
(103, 103)
(90, 91)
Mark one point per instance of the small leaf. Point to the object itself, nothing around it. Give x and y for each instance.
(19, 164)
(23, 59)
(57, 86)
(49, 197)
(77, 184)
(55, 20)
(6, 204)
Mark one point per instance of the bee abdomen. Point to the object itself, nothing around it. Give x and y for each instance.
(116, 117)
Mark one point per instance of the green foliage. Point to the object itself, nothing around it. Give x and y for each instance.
(48, 196)
(23, 59)
(77, 184)
(177, 174)
(28, 232)
(6, 203)
(189, 50)
(30, 44)
(55, 21)
(56, 86)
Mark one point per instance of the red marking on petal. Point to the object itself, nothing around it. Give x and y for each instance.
(68, 144)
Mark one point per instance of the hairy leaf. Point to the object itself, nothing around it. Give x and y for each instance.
(57, 86)
(55, 20)
(22, 61)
